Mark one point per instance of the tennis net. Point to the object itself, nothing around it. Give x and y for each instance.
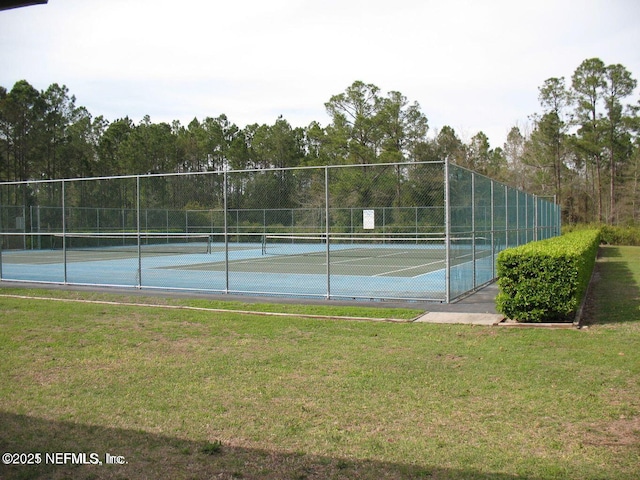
(150, 243)
(354, 245)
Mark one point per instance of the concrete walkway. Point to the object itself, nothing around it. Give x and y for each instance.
(461, 317)
(479, 308)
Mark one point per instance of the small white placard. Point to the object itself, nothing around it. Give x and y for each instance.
(368, 219)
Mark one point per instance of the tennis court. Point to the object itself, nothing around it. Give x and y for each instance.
(352, 267)
(411, 231)
(349, 256)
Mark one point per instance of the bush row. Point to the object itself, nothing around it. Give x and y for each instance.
(610, 235)
(620, 235)
(545, 281)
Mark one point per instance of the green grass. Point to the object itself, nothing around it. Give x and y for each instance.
(615, 300)
(195, 394)
(354, 311)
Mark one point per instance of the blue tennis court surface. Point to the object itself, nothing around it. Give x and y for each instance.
(387, 272)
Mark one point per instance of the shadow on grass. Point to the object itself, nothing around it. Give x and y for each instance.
(152, 456)
(614, 295)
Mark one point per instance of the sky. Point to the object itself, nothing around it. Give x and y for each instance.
(471, 65)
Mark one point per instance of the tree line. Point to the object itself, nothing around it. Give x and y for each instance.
(582, 147)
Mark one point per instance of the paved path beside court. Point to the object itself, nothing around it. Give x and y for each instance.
(478, 308)
(461, 317)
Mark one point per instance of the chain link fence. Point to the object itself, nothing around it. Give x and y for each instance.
(415, 231)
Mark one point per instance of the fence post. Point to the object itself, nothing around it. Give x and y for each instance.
(473, 229)
(64, 233)
(447, 233)
(138, 231)
(558, 216)
(1, 237)
(517, 218)
(506, 217)
(226, 232)
(535, 218)
(24, 226)
(493, 244)
(327, 227)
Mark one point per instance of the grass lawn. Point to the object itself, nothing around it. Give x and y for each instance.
(189, 394)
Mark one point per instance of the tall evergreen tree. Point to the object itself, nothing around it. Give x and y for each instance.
(21, 112)
(588, 82)
(616, 123)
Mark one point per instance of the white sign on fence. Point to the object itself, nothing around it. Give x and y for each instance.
(368, 219)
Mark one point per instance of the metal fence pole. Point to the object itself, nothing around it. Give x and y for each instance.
(535, 219)
(558, 217)
(226, 232)
(506, 217)
(2, 237)
(517, 218)
(493, 244)
(64, 233)
(138, 231)
(327, 227)
(24, 226)
(447, 233)
(473, 229)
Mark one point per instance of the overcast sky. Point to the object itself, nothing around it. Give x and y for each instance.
(472, 65)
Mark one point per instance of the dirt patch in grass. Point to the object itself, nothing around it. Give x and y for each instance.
(623, 432)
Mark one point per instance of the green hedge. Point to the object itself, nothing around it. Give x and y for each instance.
(609, 234)
(620, 235)
(545, 281)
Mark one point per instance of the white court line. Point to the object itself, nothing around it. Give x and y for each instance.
(337, 262)
(420, 266)
(334, 262)
(408, 268)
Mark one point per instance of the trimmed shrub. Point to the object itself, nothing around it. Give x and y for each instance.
(620, 235)
(545, 281)
(609, 234)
